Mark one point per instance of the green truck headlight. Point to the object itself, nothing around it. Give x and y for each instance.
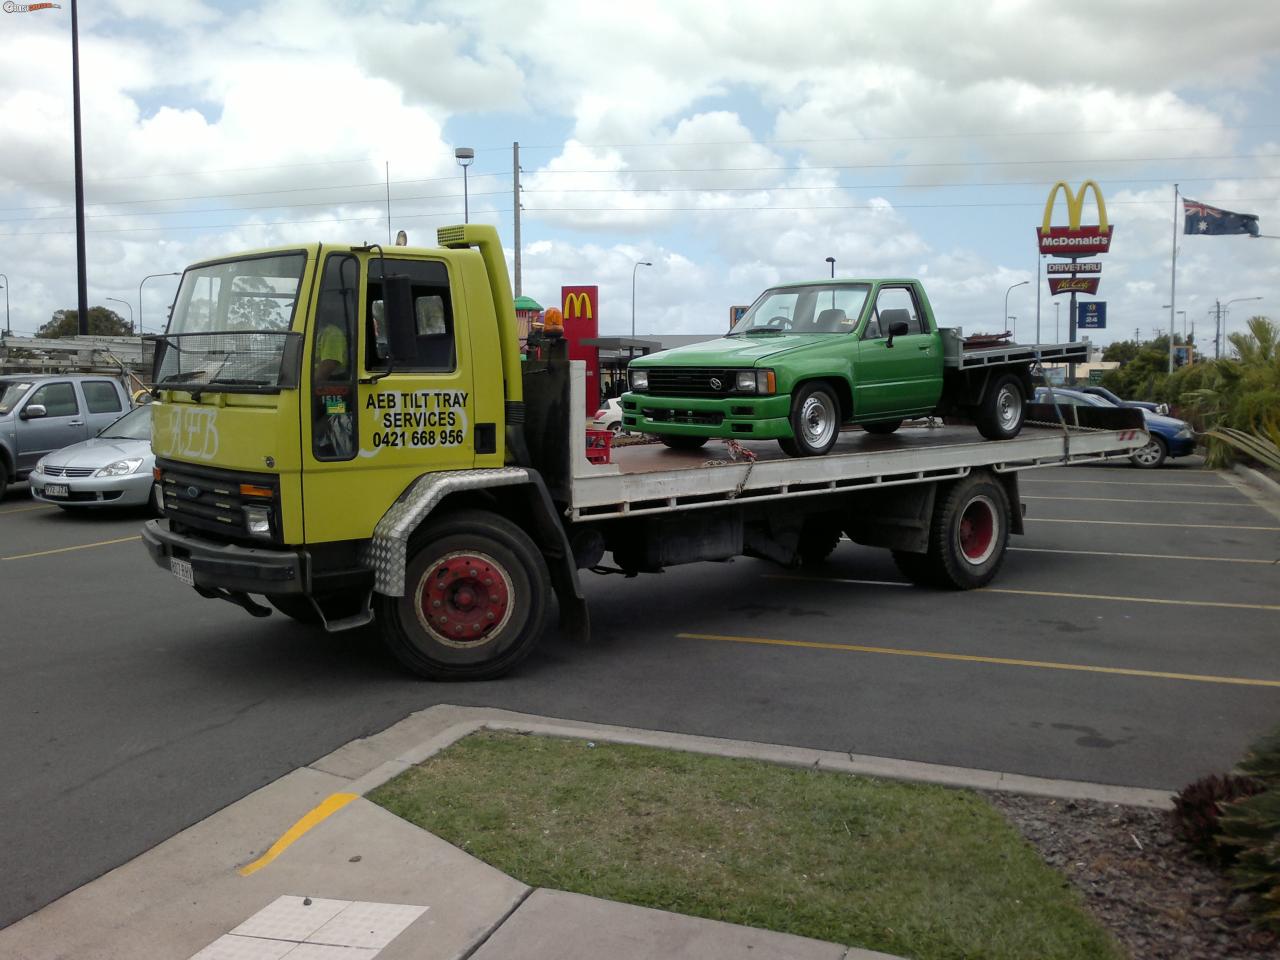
(639, 380)
(746, 381)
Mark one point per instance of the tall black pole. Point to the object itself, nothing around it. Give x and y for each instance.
(82, 283)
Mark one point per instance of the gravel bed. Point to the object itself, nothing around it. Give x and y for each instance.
(1139, 880)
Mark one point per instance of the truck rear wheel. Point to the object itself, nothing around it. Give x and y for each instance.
(967, 537)
(882, 426)
(476, 599)
(815, 421)
(999, 415)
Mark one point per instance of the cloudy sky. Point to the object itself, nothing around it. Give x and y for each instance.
(733, 144)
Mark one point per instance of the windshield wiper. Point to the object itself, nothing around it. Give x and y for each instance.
(765, 330)
(184, 376)
(238, 381)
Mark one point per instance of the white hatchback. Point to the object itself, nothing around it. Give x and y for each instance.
(609, 417)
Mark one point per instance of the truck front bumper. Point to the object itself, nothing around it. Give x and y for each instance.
(743, 418)
(225, 566)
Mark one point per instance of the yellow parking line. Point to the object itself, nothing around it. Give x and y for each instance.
(1145, 523)
(80, 546)
(1046, 593)
(1181, 503)
(999, 661)
(313, 817)
(1144, 556)
(39, 506)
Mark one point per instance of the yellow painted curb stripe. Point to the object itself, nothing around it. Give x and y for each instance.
(999, 661)
(1144, 556)
(43, 506)
(1181, 503)
(1041, 593)
(317, 815)
(81, 546)
(1142, 523)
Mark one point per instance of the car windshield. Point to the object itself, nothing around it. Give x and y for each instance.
(231, 323)
(134, 425)
(821, 308)
(11, 393)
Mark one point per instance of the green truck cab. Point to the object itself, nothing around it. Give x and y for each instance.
(807, 358)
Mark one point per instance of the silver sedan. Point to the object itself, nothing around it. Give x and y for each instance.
(115, 468)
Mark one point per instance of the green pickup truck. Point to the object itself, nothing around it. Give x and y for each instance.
(809, 357)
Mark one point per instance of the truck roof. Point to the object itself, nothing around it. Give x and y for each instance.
(313, 247)
(838, 281)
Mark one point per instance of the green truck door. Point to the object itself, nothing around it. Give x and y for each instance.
(902, 380)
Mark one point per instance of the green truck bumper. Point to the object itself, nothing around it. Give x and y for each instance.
(743, 418)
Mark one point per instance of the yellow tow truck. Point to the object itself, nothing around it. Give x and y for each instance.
(349, 434)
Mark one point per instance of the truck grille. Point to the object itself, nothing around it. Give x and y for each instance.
(203, 498)
(704, 418)
(691, 381)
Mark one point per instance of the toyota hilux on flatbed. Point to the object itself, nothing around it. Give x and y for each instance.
(345, 434)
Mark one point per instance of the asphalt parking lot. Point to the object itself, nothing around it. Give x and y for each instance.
(1130, 638)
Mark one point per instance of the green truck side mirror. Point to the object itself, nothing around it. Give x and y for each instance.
(899, 328)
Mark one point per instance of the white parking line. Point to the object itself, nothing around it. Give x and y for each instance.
(1135, 483)
(1182, 503)
(1144, 523)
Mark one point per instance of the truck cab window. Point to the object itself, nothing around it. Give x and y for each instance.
(433, 317)
(897, 299)
(333, 366)
(58, 400)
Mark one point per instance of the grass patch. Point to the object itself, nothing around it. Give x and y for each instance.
(926, 872)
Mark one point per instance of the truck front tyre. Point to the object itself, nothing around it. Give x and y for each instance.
(677, 442)
(476, 599)
(999, 415)
(967, 538)
(815, 421)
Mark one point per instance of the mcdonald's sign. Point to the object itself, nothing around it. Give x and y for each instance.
(579, 303)
(1059, 285)
(1075, 240)
(581, 306)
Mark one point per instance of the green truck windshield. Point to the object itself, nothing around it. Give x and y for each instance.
(821, 308)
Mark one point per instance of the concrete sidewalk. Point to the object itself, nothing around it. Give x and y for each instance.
(306, 868)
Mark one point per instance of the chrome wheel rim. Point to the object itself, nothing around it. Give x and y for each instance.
(1008, 409)
(1149, 454)
(817, 420)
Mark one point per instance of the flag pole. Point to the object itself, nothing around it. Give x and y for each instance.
(1173, 277)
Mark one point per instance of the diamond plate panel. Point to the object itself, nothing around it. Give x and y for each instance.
(386, 550)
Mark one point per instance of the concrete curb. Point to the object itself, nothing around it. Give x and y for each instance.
(371, 762)
(1257, 486)
(1257, 478)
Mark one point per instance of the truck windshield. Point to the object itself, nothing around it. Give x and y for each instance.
(231, 325)
(827, 308)
(11, 393)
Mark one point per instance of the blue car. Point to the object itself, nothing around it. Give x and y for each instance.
(1170, 437)
(1105, 394)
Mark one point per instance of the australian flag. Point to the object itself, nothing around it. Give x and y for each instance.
(1210, 221)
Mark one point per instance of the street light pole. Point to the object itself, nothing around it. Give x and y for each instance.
(144, 280)
(1056, 305)
(1226, 306)
(82, 281)
(638, 265)
(8, 332)
(465, 157)
(1021, 283)
(127, 304)
(832, 261)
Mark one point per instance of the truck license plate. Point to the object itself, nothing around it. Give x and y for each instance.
(55, 490)
(182, 570)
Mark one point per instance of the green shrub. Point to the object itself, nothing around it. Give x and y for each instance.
(1251, 828)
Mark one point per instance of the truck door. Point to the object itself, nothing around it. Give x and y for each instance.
(62, 424)
(372, 433)
(902, 380)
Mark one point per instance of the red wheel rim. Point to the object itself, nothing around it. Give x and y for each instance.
(977, 533)
(464, 599)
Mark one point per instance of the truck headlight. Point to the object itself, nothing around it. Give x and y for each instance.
(757, 381)
(121, 468)
(257, 520)
(639, 380)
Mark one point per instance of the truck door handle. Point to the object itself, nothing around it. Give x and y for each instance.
(926, 346)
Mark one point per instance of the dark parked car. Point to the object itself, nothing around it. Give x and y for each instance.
(1170, 437)
(1097, 391)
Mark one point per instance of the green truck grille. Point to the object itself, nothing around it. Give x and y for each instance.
(691, 381)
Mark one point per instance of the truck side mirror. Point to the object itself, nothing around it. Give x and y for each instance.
(899, 328)
(34, 411)
(397, 312)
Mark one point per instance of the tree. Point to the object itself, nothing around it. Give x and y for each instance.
(1122, 351)
(102, 323)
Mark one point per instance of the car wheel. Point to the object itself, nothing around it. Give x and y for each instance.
(999, 416)
(882, 426)
(615, 428)
(1150, 456)
(815, 419)
(676, 442)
